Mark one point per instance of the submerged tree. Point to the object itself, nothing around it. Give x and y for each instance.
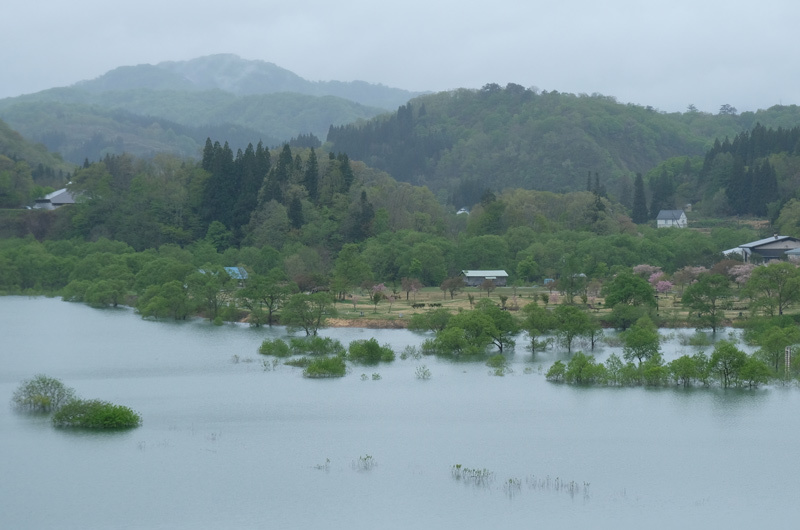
(570, 323)
(264, 295)
(726, 362)
(641, 341)
(538, 322)
(42, 394)
(307, 312)
(708, 298)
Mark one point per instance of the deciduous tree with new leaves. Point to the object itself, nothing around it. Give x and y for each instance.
(707, 299)
(775, 287)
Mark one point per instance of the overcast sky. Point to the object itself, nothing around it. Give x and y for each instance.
(667, 54)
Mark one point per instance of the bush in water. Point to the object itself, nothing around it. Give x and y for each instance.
(95, 414)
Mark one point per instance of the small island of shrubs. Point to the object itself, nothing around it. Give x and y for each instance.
(326, 357)
(43, 394)
(95, 414)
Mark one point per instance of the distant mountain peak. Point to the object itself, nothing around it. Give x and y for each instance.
(233, 74)
(241, 77)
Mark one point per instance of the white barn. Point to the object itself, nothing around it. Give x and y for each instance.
(671, 218)
(474, 278)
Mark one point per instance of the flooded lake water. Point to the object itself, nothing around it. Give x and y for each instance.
(227, 444)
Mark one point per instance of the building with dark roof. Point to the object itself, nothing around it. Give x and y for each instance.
(769, 248)
(671, 218)
(51, 201)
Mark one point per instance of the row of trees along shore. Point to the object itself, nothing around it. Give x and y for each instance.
(466, 322)
(317, 234)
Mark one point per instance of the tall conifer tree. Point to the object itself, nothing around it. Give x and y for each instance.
(739, 187)
(295, 212)
(639, 214)
(311, 177)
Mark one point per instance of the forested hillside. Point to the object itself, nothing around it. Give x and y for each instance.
(754, 173)
(142, 122)
(557, 185)
(14, 146)
(173, 107)
(156, 232)
(27, 171)
(460, 143)
(325, 220)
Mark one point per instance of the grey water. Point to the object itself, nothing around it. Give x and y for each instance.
(228, 443)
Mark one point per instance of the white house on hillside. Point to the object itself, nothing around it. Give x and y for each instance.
(671, 218)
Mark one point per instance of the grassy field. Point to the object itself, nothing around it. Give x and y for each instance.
(396, 313)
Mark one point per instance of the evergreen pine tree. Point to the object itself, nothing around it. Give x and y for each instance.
(285, 165)
(663, 193)
(625, 192)
(249, 184)
(764, 188)
(271, 189)
(739, 187)
(295, 212)
(599, 190)
(263, 161)
(219, 196)
(347, 171)
(208, 155)
(639, 214)
(311, 177)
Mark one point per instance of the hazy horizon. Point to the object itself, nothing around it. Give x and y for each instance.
(666, 56)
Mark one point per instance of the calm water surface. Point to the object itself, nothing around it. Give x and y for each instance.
(228, 444)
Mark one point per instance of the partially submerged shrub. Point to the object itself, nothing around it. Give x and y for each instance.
(370, 352)
(316, 345)
(499, 364)
(556, 372)
(326, 367)
(42, 394)
(364, 463)
(95, 414)
(422, 372)
(299, 362)
(583, 369)
(412, 352)
(302, 346)
(476, 477)
(275, 347)
(698, 339)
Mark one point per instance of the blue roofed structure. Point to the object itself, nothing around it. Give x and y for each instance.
(237, 273)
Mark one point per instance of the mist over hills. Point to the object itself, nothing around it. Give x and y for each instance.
(241, 77)
(16, 147)
(174, 106)
(458, 143)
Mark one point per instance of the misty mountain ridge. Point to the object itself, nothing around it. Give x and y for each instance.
(241, 77)
(457, 143)
(174, 106)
